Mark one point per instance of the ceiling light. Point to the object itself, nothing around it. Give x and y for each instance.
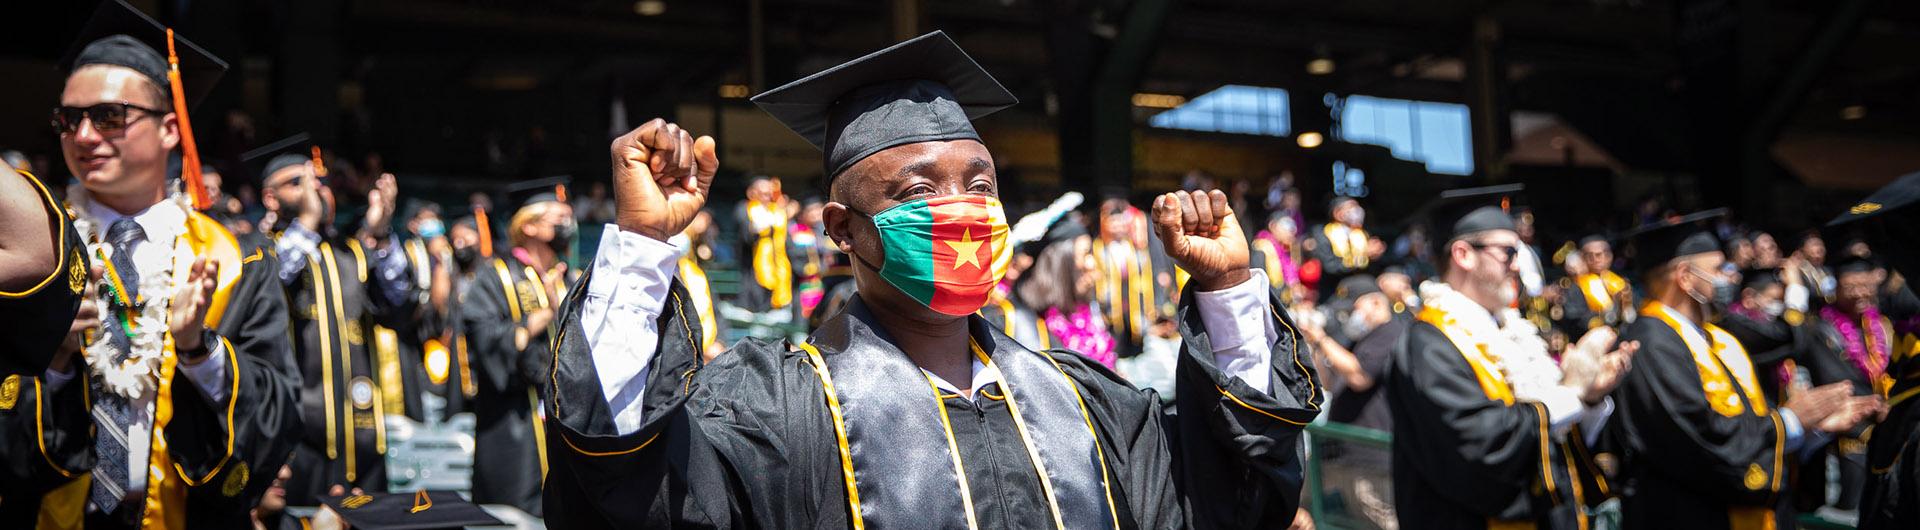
(1158, 101)
(648, 8)
(1309, 139)
(733, 91)
(1320, 66)
(1853, 112)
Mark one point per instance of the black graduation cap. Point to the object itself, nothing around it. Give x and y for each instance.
(1462, 212)
(1757, 279)
(1660, 242)
(923, 90)
(118, 34)
(1891, 223)
(1851, 264)
(529, 192)
(1353, 287)
(404, 511)
(293, 150)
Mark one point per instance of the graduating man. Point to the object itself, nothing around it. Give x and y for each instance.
(1597, 296)
(507, 312)
(43, 287)
(1892, 493)
(1488, 431)
(859, 425)
(341, 286)
(1128, 278)
(191, 412)
(1342, 246)
(1851, 341)
(1701, 446)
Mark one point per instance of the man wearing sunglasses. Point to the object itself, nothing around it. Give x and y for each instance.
(184, 368)
(1489, 430)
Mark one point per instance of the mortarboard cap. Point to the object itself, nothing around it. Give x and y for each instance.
(923, 90)
(1891, 222)
(1759, 278)
(1657, 243)
(404, 511)
(526, 193)
(1458, 213)
(1852, 264)
(120, 35)
(1353, 287)
(283, 153)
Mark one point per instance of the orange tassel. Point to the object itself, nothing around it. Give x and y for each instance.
(560, 192)
(319, 163)
(189, 152)
(486, 233)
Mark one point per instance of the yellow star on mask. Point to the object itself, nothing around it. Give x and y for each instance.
(966, 250)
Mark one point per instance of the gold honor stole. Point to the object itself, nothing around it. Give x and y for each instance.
(1599, 289)
(902, 471)
(1722, 363)
(1351, 249)
(771, 267)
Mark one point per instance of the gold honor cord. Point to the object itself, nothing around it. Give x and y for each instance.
(346, 355)
(320, 312)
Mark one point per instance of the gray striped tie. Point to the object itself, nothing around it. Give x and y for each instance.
(112, 413)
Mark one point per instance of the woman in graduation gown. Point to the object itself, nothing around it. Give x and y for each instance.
(506, 312)
(858, 424)
(1701, 446)
(1488, 431)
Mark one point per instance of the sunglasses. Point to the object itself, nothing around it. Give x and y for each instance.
(1509, 251)
(107, 118)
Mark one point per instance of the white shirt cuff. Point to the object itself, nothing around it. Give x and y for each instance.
(211, 374)
(1239, 322)
(1595, 420)
(1563, 409)
(1796, 297)
(628, 289)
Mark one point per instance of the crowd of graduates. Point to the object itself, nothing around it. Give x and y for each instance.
(188, 358)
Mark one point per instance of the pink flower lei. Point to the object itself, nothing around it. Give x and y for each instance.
(1869, 363)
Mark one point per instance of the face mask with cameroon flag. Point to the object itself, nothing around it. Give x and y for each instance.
(946, 252)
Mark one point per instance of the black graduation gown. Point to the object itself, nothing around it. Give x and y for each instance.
(336, 308)
(1466, 458)
(1689, 463)
(749, 442)
(399, 346)
(507, 456)
(1577, 315)
(1892, 497)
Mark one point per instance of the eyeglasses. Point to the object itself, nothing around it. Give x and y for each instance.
(1509, 251)
(107, 118)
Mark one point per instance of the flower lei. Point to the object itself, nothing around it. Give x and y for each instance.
(146, 324)
(1871, 363)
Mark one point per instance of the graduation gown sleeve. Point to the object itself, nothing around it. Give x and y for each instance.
(228, 452)
(257, 323)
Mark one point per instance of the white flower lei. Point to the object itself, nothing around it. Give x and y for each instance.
(139, 374)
